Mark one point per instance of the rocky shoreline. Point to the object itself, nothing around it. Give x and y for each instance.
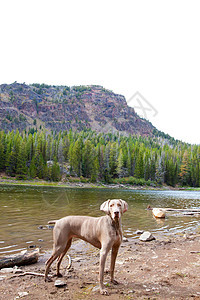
(99, 185)
(164, 268)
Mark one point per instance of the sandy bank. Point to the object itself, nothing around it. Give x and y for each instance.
(166, 268)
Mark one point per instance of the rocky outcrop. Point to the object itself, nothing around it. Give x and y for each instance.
(62, 107)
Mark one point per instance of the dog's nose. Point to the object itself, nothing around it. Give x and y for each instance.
(116, 213)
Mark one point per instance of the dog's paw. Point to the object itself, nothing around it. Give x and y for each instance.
(59, 274)
(48, 279)
(115, 282)
(104, 292)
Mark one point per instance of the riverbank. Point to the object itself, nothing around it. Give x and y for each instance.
(79, 184)
(166, 268)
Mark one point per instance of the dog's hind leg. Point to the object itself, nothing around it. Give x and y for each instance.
(61, 257)
(56, 254)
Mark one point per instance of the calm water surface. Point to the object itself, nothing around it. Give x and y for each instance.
(24, 209)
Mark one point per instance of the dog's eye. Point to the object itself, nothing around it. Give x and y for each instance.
(111, 205)
(119, 204)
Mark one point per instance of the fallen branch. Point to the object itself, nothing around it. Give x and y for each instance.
(192, 210)
(40, 274)
(167, 209)
(29, 273)
(20, 259)
(194, 252)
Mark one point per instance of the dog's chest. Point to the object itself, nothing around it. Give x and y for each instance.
(116, 233)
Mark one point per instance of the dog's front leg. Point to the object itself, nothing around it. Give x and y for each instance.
(103, 254)
(114, 252)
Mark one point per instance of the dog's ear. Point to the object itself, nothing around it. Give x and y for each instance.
(105, 206)
(124, 205)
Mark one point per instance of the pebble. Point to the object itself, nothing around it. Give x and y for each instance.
(60, 283)
(146, 236)
(50, 226)
(131, 292)
(120, 262)
(17, 271)
(22, 294)
(7, 270)
(125, 239)
(32, 246)
(14, 270)
(139, 231)
(53, 292)
(77, 259)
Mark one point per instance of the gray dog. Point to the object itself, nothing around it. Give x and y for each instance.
(104, 233)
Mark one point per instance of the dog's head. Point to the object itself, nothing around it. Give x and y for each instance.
(115, 208)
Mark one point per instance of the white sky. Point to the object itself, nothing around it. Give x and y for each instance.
(151, 47)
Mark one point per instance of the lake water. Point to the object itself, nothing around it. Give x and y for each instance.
(23, 210)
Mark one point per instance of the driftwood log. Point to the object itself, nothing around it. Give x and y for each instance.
(182, 210)
(191, 210)
(20, 259)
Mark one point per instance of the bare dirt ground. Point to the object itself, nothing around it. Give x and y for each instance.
(166, 268)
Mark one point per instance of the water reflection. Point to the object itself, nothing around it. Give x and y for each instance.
(25, 209)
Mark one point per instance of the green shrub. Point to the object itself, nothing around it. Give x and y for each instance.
(133, 181)
(83, 179)
(75, 179)
(21, 177)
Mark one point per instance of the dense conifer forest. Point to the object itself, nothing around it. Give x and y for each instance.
(90, 156)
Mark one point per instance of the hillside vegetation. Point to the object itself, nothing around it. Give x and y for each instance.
(94, 156)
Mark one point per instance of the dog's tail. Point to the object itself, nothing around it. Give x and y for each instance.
(52, 222)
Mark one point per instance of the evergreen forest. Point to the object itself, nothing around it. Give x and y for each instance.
(91, 156)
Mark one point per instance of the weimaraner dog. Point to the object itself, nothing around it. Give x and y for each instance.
(104, 233)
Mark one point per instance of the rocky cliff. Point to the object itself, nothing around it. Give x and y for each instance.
(61, 108)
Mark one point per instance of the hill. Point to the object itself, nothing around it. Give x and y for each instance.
(58, 108)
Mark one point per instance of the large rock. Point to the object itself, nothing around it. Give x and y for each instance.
(146, 237)
(158, 213)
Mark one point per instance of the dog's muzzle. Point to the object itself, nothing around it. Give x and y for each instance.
(116, 214)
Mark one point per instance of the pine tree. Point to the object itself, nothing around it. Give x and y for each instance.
(2, 157)
(76, 157)
(88, 159)
(40, 167)
(95, 169)
(113, 159)
(184, 169)
(139, 166)
(21, 161)
(120, 164)
(60, 155)
(11, 163)
(32, 169)
(100, 155)
(66, 146)
(160, 173)
(55, 172)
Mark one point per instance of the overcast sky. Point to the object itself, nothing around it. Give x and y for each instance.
(148, 51)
